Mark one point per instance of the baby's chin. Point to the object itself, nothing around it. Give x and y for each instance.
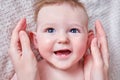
(66, 67)
(63, 67)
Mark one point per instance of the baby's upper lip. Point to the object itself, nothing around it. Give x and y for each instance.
(63, 50)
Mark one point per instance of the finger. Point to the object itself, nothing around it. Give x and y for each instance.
(100, 33)
(15, 34)
(87, 66)
(95, 52)
(25, 42)
(15, 38)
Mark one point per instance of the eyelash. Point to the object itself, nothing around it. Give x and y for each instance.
(72, 30)
(75, 30)
(50, 30)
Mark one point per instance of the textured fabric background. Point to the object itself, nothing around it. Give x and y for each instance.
(108, 11)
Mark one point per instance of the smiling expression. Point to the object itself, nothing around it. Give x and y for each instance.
(62, 34)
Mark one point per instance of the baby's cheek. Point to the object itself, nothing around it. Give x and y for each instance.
(80, 46)
(45, 45)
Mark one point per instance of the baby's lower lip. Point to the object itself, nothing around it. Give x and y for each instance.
(63, 53)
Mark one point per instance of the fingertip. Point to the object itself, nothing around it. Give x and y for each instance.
(23, 20)
(98, 21)
(21, 25)
(25, 42)
(98, 24)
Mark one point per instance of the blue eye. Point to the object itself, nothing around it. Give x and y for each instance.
(74, 30)
(50, 30)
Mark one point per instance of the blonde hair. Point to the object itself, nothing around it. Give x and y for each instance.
(42, 3)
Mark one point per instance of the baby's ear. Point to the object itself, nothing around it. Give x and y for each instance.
(33, 39)
(90, 37)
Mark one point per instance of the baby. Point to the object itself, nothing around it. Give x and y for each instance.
(63, 40)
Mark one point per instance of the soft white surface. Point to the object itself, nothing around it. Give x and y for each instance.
(108, 11)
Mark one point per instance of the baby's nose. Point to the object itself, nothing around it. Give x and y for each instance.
(63, 39)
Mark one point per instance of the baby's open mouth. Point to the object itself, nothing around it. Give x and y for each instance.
(62, 52)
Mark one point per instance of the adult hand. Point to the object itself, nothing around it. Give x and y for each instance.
(20, 52)
(96, 63)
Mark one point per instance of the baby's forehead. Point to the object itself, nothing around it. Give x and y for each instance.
(61, 10)
(62, 13)
(63, 6)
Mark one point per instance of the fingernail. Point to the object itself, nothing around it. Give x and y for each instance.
(24, 26)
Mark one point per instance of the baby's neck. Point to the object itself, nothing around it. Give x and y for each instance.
(48, 72)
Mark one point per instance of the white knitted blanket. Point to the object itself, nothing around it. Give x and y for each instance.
(108, 11)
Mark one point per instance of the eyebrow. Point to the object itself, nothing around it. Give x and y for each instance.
(53, 24)
(78, 25)
(48, 24)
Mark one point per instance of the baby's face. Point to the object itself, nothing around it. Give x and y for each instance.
(62, 34)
